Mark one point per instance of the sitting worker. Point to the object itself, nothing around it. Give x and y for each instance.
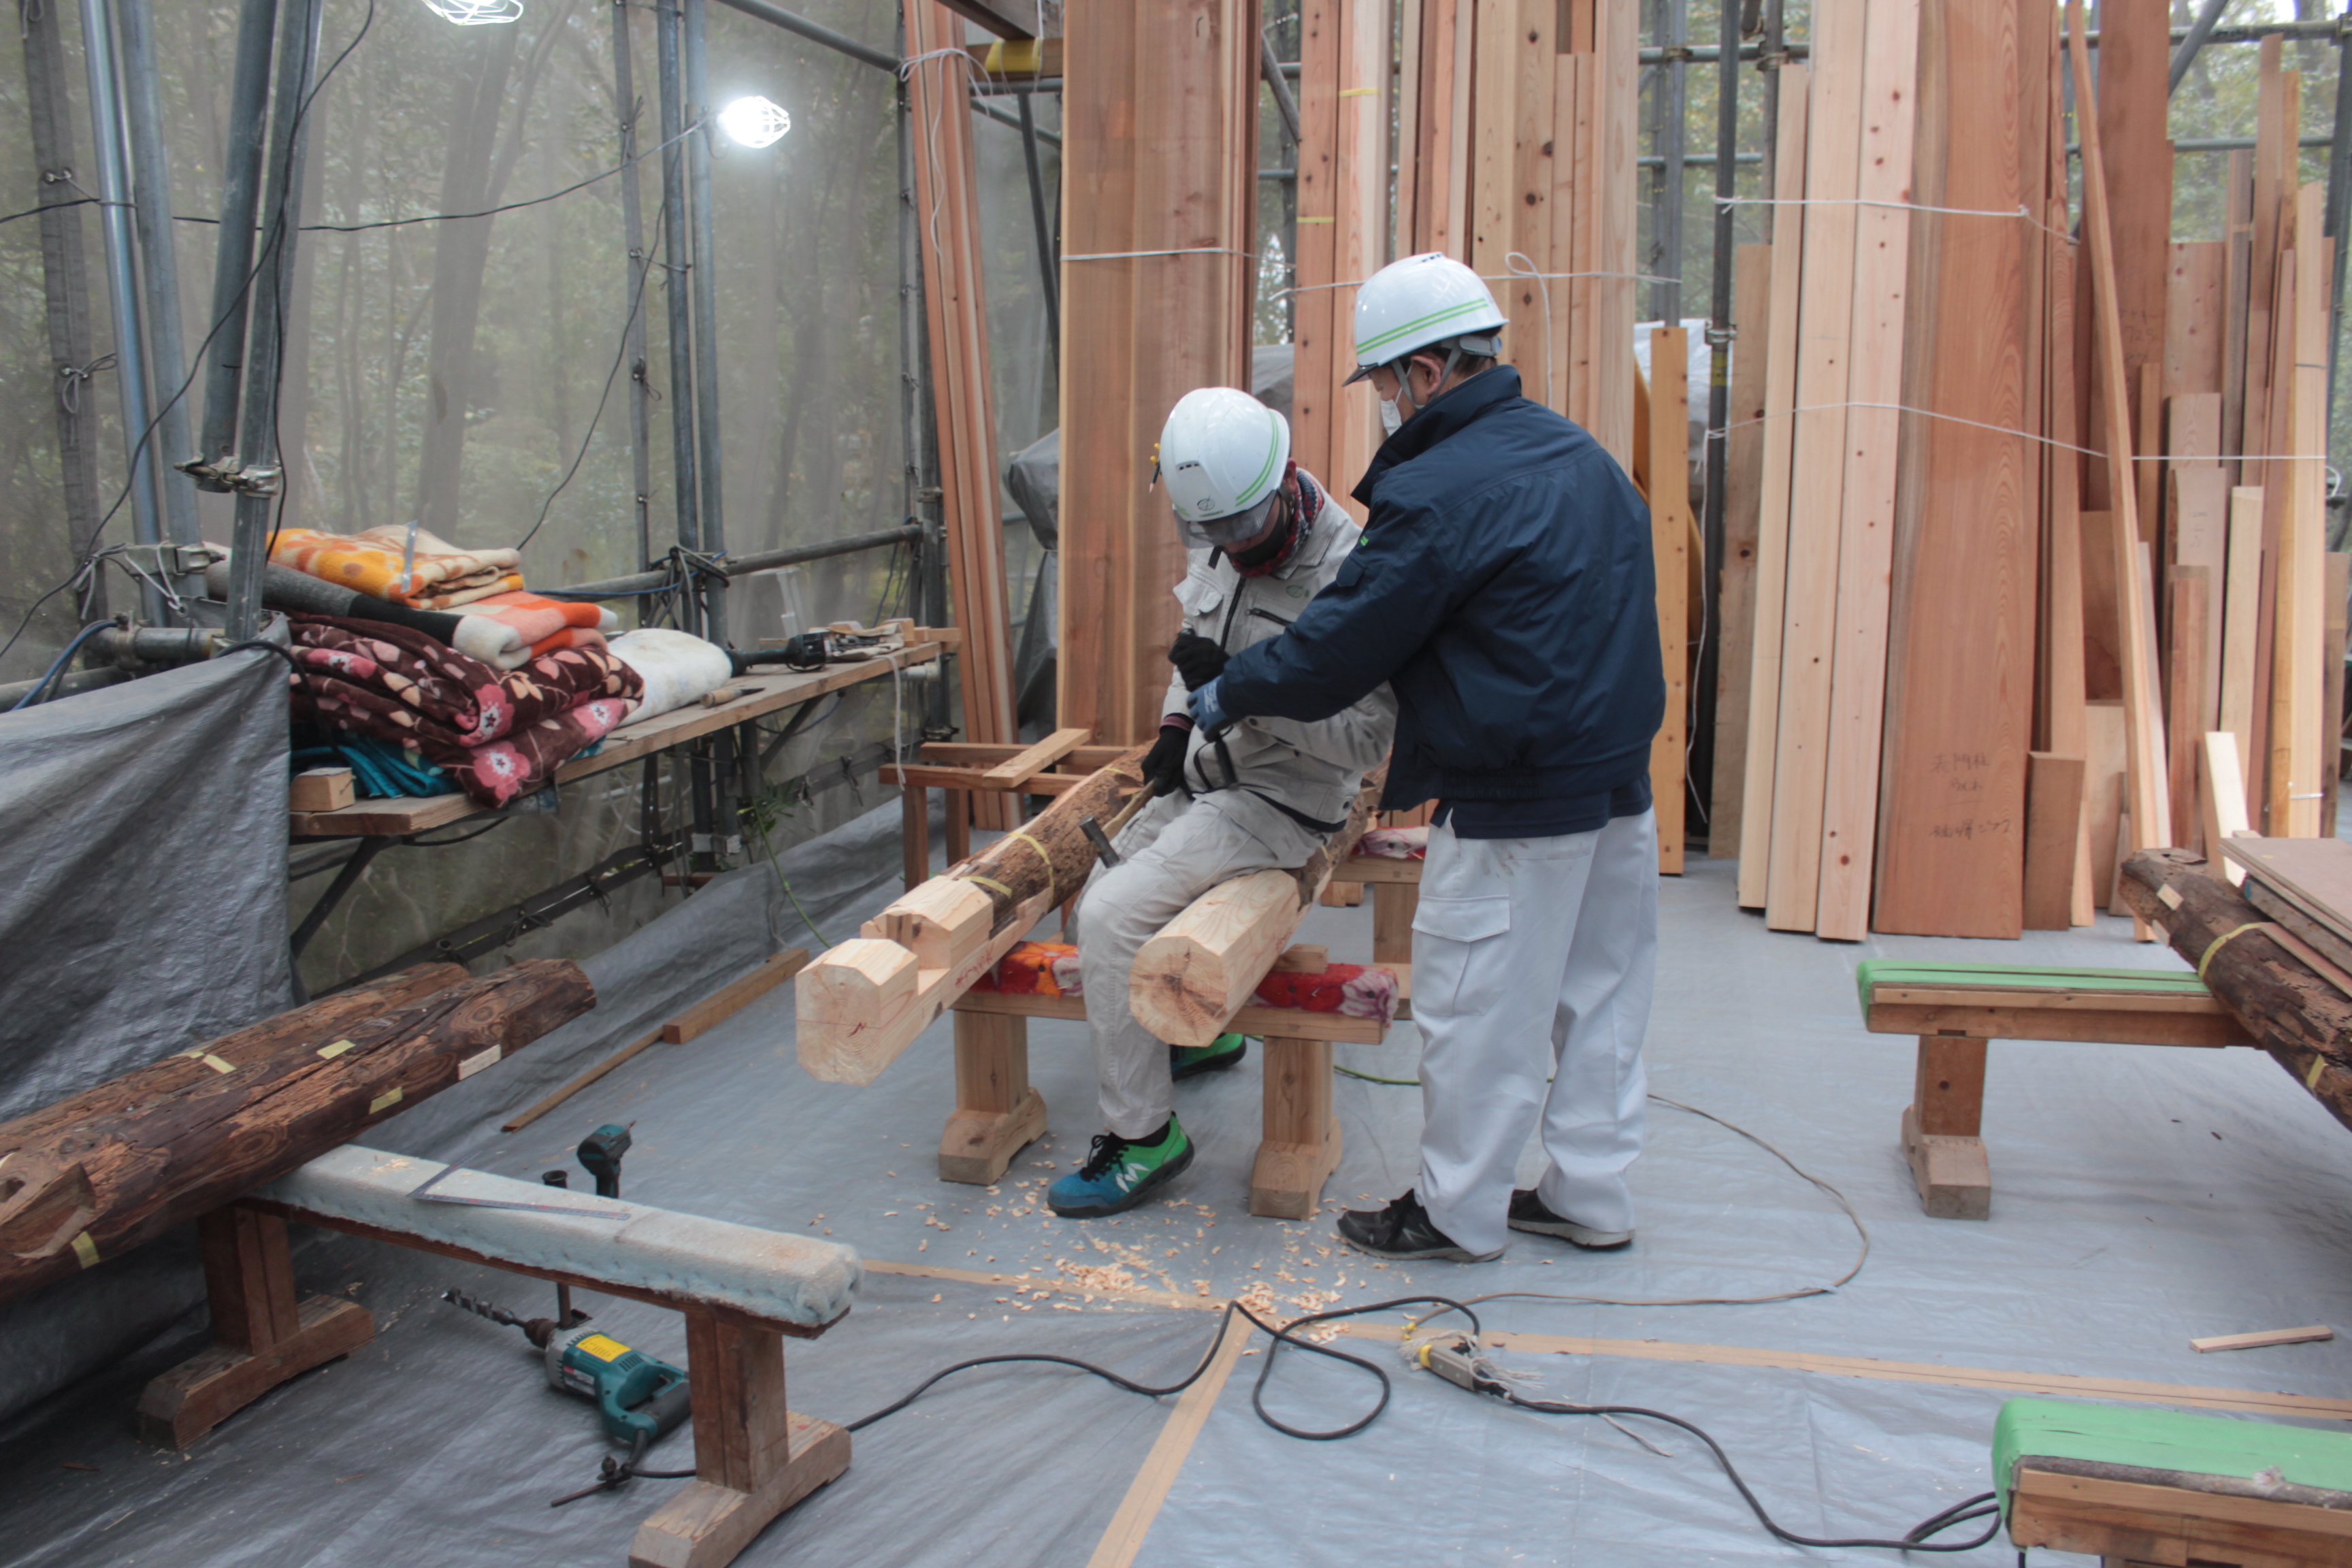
(1505, 590)
(1264, 539)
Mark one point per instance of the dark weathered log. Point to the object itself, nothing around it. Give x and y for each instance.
(329, 1018)
(1050, 852)
(92, 1177)
(2301, 1019)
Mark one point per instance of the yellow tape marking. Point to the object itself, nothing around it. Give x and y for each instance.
(1316, 220)
(383, 1101)
(328, 1053)
(993, 886)
(2318, 1066)
(217, 1065)
(1358, 91)
(86, 1250)
(2216, 944)
(1050, 884)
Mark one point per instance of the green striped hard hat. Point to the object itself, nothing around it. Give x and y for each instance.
(1417, 302)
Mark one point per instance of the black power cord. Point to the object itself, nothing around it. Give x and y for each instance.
(1984, 1505)
(1918, 1538)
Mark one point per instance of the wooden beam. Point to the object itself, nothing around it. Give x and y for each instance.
(2304, 749)
(1670, 524)
(865, 1000)
(2150, 807)
(956, 308)
(2220, 801)
(1019, 768)
(1190, 979)
(2065, 692)
(1735, 589)
(1834, 152)
(1005, 19)
(2184, 719)
(2240, 619)
(1773, 502)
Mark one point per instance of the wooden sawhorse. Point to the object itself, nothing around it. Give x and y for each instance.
(1955, 1008)
(1396, 895)
(742, 1291)
(998, 1112)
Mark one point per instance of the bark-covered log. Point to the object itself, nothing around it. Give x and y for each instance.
(92, 1177)
(1200, 969)
(1051, 850)
(2301, 1019)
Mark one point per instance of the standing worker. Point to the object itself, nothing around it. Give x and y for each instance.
(1264, 539)
(1505, 590)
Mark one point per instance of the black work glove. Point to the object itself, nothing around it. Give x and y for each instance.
(1163, 765)
(1198, 659)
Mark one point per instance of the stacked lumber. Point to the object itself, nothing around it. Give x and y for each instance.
(947, 195)
(1343, 220)
(1159, 189)
(92, 1177)
(2038, 493)
(1522, 114)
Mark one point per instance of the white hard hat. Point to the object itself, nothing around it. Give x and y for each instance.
(1222, 454)
(1421, 301)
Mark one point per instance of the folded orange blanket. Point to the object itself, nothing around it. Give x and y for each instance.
(375, 562)
(536, 616)
(570, 636)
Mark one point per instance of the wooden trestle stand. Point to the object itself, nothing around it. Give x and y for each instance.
(998, 1112)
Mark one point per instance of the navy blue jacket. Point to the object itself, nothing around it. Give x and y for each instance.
(1504, 589)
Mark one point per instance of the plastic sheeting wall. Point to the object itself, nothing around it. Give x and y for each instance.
(143, 832)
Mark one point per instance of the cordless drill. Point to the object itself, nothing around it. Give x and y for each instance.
(640, 1398)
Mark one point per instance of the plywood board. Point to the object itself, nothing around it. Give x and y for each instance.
(2241, 614)
(2135, 57)
(2053, 823)
(2064, 691)
(2103, 787)
(1960, 668)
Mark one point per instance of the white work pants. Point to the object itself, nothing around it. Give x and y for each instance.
(1534, 957)
(1172, 854)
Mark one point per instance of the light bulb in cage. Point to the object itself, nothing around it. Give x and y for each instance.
(476, 13)
(754, 121)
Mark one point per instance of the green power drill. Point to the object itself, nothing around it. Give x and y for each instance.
(640, 1398)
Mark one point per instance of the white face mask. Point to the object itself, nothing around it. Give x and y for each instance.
(1392, 417)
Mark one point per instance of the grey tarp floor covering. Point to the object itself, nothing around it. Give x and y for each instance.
(2141, 1196)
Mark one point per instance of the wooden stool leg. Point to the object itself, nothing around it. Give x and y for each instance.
(1301, 1146)
(1342, 895)
(1393, 905)
(997, 1114)
(263, 1334)
(753, 1456)
(915, 804)
(1941, 1128)
(959, 824)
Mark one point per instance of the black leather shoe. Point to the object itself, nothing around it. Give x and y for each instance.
(1403, 1230)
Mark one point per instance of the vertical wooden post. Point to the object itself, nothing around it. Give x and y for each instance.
(262, 1333)
(1670, 533)
(959, 814)
(753, 1456)
(997, 1113)
(915, 832)
(1301, 1145)
(1941, 1128)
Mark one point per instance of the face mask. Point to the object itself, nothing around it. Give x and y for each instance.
(1392, 417)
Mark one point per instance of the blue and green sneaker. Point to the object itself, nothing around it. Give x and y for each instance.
(1120, 1173)
(1190, 1061)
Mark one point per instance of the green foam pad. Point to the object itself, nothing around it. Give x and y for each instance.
(2149, 1439)
(2019, 976)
